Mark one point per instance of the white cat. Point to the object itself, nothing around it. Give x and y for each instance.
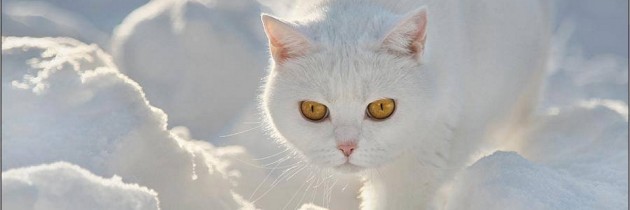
(405, 99)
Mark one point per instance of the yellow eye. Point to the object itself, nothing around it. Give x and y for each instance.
(381, 109)
(313, 111)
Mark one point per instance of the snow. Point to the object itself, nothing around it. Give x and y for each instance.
(41, 19)
(576, 76)
(89, 21)
(508, 181)
(93, 107)
(591, 52)
(66, 186)
(173, 66)
(564, 164)
(65, 101)
(310, 206)
(600, 27)
(103, 15)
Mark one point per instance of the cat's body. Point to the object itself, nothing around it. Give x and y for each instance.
(477, 78)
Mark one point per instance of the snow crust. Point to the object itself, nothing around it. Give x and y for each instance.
(203, 63)
(65, 101)
(62, 185)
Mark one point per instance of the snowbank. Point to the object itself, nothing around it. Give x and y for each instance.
(577, 158)
(599, 27)
(89, 21)
(202, 63)
(41, 19)
(507, 181)
(103, 15)
(591, 52)
(65, 101)
(576, 76)
(65, 186)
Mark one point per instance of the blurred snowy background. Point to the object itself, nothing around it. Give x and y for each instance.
(135, 104)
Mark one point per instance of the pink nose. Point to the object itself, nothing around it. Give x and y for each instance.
(347, 148)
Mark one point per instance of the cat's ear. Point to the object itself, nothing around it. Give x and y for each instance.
(285, 41)
(408, 37)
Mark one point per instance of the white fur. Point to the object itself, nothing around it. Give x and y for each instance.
(477, 77)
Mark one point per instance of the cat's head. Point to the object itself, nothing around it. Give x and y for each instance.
(349, 104)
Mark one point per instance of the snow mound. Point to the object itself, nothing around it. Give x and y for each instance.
(103, 15)
(202, 63)
(504, 180)
(65, 101)
(577, 158)
(577, 76)
(590, 59)
(65, 186)
(41, 19)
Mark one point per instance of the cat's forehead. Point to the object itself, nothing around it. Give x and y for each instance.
(344, 77)
(336, 28)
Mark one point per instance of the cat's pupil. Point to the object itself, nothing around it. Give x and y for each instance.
(381, 104)
(312, 108)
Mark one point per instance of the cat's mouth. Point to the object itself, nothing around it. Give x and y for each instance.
(348, 167)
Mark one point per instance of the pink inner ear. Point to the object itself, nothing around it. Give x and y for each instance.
(409, 36)
(419, 37)
(285, 41)
(278, 51)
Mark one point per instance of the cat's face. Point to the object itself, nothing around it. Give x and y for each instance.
(347, 109)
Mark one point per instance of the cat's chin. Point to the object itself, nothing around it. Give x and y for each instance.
(348, 168)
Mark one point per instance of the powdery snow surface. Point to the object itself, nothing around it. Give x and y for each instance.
(65, 186)
(508, 181)
(65, 101)
(104, 15)
(573, 158)
(41, 19)
(89, 21)
(201, 62)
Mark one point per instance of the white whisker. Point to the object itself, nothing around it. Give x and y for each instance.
(296, 192)
(274, 183)
(234, 134)
(256, 165)
(285, 158)
(270, 156)
(261, 183)
(330, 191)
(305, 191)
(298, 171)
